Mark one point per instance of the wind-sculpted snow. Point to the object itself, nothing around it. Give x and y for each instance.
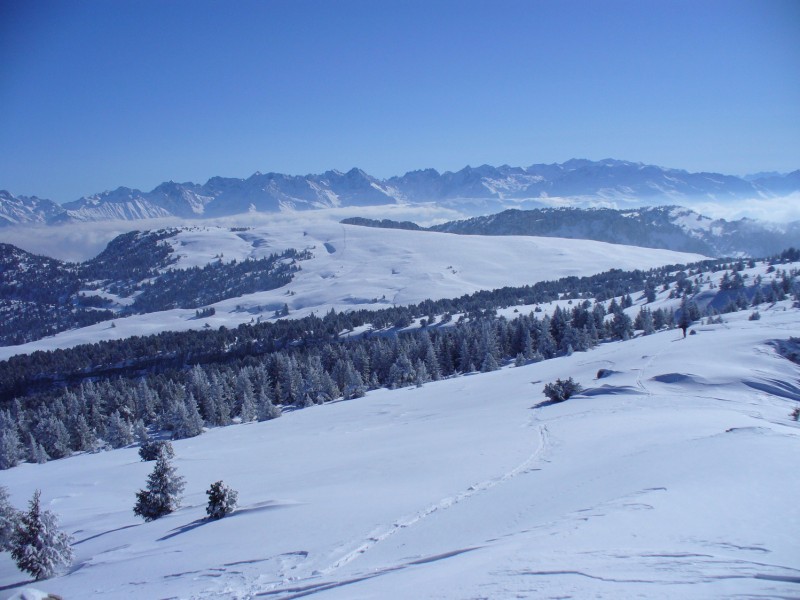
(683, 486)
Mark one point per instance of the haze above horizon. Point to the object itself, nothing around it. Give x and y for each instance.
(95, 95)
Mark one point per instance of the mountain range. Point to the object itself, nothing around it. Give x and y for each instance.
(472, 190)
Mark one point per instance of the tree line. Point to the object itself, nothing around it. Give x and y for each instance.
(243, 386)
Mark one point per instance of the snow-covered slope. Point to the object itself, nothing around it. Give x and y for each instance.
(674, 477)
(122, 204)
(359, 267)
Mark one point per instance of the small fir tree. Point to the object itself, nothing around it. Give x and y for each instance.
(221, 500)
(560, 390)
(163, 493)
(38, 547)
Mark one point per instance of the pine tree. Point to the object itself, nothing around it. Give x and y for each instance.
(265, 409)
(353, 384)
(186, 419)
(53, 436)
(10, 451)
(36, 452)
(245, 397)
(119, 432)
(621, 326)
(38, 547)
(9, 517)
(489, 363)
(561, 389)
(163, 493)
(140, 432)
(644, 321)
(152, 449)
(422, 376)
(650, 291)
(81, 435)
(221, 500)
(402, 372)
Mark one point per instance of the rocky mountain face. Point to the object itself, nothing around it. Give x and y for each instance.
(17, 210)
(477, 190)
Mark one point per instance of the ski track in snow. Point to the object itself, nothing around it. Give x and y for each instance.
(381, 534)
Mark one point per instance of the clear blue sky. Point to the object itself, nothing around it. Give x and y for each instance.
(97, 94)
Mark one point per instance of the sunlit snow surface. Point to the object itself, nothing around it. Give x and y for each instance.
(675, 477)
(359, 267)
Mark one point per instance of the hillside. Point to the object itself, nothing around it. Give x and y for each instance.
(328, 266)
(669, 476)
(669, 227)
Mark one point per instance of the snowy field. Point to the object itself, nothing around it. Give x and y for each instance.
(359, 267)
(674, 477)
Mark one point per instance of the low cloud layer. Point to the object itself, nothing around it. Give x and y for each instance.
(776, 210)
(82, 241)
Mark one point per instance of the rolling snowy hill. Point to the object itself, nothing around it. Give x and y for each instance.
(673, 476)
(350, 267)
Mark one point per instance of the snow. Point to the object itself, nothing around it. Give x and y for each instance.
(361, 267)
(30, 594)
(675, 476)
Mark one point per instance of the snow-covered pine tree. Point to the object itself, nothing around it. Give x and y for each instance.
(51, 433)
(152, 449)
(621, 326)
(186, 421)
(82, 436)
(402, 372)
(140, 432)
(221, 500)
(36, 452)
(266, 410)
(353, 385)
(422, 375)
(9, 517)
(245, 397)
(163, 493)
(146, 401)
(119, 432)
(248, 410)
(10, 451)
(38, 547)
(489, 363)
